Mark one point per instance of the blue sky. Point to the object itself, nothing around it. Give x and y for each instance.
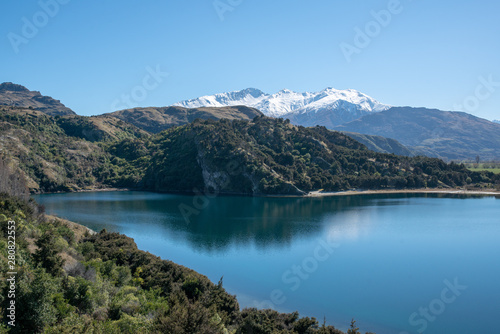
(89, 54)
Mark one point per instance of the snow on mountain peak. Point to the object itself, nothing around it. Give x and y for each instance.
(287, 102)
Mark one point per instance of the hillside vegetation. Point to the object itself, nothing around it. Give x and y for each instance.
(271, 156)
(72, 280)
(263, 156)
(66, 153)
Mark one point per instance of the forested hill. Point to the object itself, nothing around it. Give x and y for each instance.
(258, 157)
(67, 153)
(272, 156)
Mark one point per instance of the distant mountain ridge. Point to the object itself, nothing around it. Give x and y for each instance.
(329, 107)
(399, 130)
(19, 96)
(380, 127)
(437, 133)
(382, 144)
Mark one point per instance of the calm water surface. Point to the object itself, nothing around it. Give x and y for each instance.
(385, 260)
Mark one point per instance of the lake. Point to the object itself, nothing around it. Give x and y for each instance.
(398, 263)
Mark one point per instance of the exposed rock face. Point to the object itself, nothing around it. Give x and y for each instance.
(225, 180)
(9, 86)
(19, 96)
(214, 180)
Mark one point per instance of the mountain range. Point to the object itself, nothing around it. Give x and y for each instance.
(204, 151)
(431, 132)
(262, 156)
(329, 107)
(400, 130)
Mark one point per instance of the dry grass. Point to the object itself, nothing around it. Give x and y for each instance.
(79, 230)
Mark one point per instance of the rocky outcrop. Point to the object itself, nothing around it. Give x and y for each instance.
(19, 96)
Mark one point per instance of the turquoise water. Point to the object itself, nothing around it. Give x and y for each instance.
(386, 260)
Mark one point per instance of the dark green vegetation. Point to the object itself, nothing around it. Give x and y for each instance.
(445, 134)
(71, 280)
(271, 156)
(262, 156)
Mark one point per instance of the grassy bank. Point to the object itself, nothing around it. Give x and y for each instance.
(493, 167)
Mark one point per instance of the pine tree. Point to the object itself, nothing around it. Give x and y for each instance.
(353, 329)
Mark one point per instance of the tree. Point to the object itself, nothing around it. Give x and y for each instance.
(35, 301)
(47, 253)
(353, 329)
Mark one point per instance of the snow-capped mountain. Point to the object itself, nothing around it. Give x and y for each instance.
(330, 107)
(496, 121)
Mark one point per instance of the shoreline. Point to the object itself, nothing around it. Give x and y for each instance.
(311, 194)
(456, 191)
(85, 191)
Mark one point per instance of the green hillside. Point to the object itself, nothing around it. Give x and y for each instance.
(65, 153)
(272, 156)
(264, 156)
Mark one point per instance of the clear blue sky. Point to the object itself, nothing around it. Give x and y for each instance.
(432, 53)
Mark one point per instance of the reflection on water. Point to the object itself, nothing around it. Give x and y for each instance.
(225, 221)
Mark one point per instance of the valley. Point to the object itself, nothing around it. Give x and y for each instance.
(290, 177)
(249, 167)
